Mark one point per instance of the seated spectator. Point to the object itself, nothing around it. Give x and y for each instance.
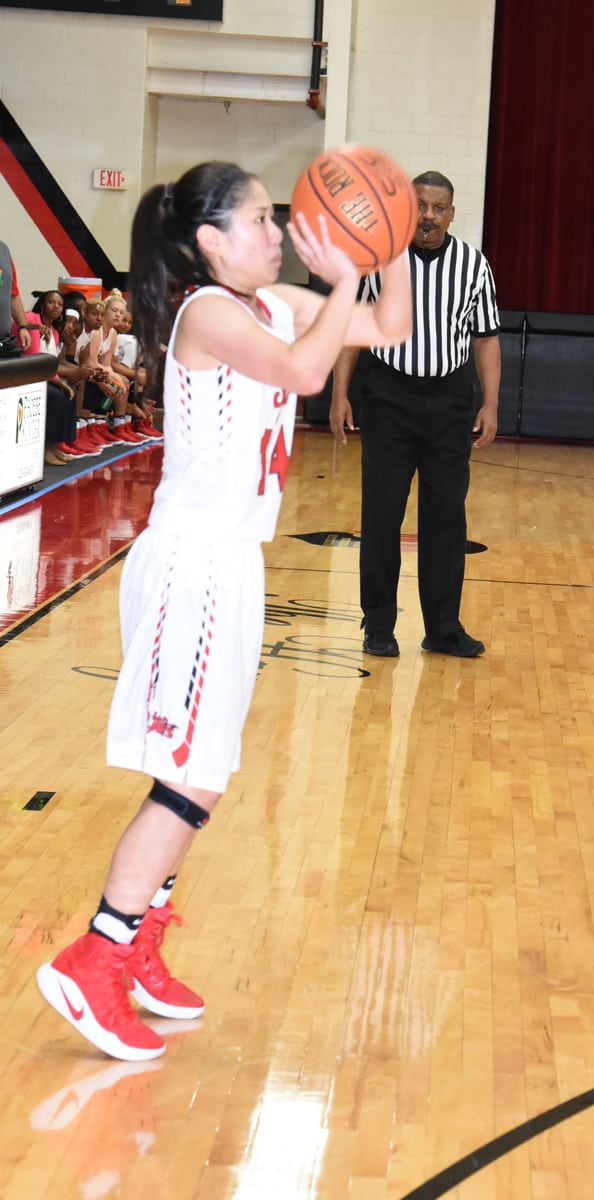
(92, 313)
(75, 300)
(72, 327)
(76, 375)
(108, 393)
(92, 434)
(77, 327)
(126, 356)
(100, 348)
(43, 323)
(127, 363)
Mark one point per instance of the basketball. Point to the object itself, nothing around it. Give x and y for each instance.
(368, 200)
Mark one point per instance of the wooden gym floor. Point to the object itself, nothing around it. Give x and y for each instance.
(391, 913)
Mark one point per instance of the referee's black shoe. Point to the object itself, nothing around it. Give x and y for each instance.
(458, 645)
(383, 645)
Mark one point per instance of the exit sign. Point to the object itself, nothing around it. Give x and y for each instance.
(110, 179)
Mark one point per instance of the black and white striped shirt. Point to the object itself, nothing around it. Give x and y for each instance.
(453, 297)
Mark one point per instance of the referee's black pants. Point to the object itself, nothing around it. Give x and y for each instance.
(413, 424)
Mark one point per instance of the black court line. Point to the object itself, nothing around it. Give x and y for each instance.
(550, 474)
(50, 605)
(524, 583)
(56, 601)
(468, 1166)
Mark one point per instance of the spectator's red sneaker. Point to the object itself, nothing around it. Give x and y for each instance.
(148, 427)
(107, 437)
(127, 434)
(88, 985)
(84, 443)
(94, 438)
(136, 427)
(154, 987)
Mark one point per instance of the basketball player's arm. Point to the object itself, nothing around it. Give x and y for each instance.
(216, 329)
(388, 322)
(487, 356)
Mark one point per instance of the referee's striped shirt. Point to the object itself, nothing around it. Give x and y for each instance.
(453, 298)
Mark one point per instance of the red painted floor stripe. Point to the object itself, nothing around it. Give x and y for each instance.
(41, 214)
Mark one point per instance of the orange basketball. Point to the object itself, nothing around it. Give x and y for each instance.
(368, 200)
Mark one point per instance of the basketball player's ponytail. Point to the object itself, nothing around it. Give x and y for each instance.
(148, 278)
(165, 258)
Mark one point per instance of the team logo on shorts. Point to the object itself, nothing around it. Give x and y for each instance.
(161, 725)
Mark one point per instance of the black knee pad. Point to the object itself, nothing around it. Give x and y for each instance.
(180, 806)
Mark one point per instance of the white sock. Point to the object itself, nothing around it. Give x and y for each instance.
(116, 926)
(163, 893)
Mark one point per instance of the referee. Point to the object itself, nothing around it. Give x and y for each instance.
(416, 415)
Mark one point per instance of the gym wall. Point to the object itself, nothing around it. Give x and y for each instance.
(92, 91)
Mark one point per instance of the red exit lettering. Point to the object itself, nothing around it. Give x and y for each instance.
(109, 177)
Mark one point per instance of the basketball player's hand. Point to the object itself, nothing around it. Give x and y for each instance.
(319, 254)
(341, 414)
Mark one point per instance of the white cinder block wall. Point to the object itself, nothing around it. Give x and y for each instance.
(420, 87)
(78, 86)
(272, 140)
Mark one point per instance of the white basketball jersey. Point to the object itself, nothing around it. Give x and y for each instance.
(227, 442)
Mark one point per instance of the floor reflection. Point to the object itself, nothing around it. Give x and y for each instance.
(285, 1149)
(58, 539)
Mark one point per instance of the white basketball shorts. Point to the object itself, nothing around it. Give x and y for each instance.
(191, 621)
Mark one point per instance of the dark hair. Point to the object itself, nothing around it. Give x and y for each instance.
(165, 258)
(42, 297)
(434, 179)
(74, 300)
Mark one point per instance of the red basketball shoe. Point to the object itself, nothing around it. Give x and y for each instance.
(127, 434)
(88, 985)
(154, 987)
(83, 443)
(147, 428)
(93, 437)
(103, 431)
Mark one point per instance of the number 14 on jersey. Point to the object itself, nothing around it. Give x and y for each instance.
(273, 454)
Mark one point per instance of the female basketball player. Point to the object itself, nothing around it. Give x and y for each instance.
(192, 592)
